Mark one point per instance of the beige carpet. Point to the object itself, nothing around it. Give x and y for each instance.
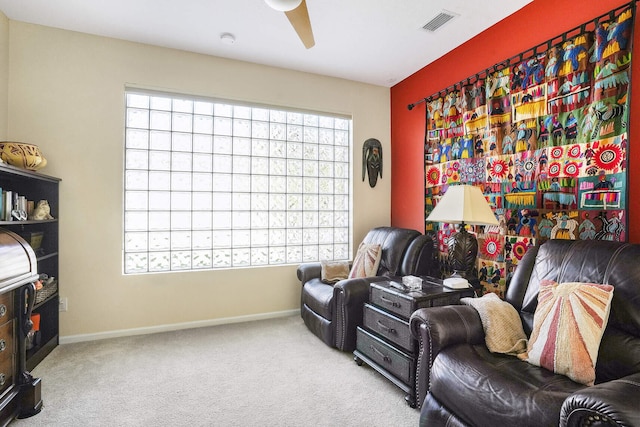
(264, 373)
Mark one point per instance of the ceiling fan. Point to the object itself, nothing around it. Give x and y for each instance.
(298, 15)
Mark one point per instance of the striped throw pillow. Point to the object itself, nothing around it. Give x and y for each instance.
(567, 328)
(367, 260)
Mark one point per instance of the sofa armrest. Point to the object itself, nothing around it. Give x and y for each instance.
(436, 328)
(349, 296)
(308, 271)
(612, 403)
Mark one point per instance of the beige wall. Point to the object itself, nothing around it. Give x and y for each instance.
(66, 95)
(4, 74)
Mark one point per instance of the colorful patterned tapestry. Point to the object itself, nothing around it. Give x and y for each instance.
(545, 137)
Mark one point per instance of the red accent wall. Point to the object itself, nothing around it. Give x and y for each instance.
(536, 23)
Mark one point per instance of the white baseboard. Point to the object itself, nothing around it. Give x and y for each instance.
(69, 339)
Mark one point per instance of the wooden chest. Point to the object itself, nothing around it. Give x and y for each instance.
(384, 340)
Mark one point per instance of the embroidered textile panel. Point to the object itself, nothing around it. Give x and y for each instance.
(545, 138)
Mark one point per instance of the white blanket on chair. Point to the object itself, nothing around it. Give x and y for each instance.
(501, 323)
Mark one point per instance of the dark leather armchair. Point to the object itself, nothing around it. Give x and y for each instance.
(466, 385)
(333, 312)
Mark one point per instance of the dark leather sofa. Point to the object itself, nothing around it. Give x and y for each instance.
(463, 384)
(332, 312)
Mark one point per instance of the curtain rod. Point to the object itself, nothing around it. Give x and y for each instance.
(522, 55)
(410, 106)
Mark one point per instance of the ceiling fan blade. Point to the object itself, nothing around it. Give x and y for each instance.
(299, 18)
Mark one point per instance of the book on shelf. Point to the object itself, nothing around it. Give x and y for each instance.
(14, 207)
(7, 202)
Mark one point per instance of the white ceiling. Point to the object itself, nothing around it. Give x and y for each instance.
(373, 41)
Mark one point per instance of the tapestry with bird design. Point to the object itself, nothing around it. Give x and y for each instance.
(545, 135)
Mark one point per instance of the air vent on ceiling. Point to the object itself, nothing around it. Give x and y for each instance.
(439, 20)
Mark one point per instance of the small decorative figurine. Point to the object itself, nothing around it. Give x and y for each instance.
(42, 211)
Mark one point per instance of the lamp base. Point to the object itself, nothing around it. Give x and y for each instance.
(463, 249)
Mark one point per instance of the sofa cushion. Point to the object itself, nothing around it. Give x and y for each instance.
(394, 242)
(366, 262)
(567, 328)
(318, 297)
(469, 380)
(595, 262)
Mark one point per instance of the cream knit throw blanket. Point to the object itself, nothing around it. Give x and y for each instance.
(501, 323)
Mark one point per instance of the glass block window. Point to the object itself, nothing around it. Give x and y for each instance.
(216, 184)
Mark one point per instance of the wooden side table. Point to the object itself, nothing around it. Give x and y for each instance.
(384, 342)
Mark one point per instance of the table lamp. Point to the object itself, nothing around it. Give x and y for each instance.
(463, 204)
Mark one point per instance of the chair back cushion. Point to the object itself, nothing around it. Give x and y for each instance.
(419, 259)
(606, 262)
(394, 242)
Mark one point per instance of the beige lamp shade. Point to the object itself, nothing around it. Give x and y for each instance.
(463, 204)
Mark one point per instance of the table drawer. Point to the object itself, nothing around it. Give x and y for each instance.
(397, 363)
(391, 302)
(6, 307)
(7, 368)
(451, 299)
(6, 340)
(387, 326)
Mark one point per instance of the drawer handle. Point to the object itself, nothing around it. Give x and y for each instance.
(388, 301)
(3, 310)
(3, 379)
(3, 344)
(381, 354)
(386, 328)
